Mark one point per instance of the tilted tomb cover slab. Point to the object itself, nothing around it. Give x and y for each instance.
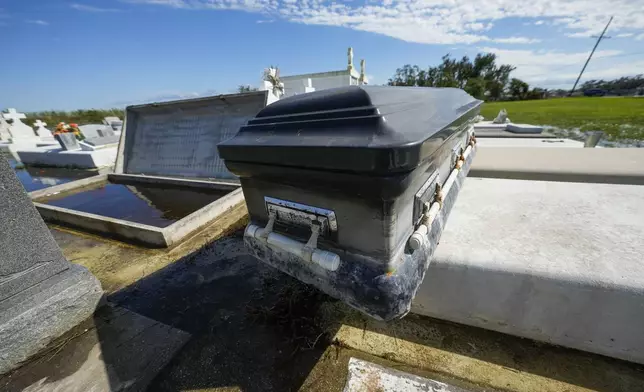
(348, 189)
(179, 138)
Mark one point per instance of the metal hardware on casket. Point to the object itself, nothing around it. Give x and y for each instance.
(319, 220)
(349, 189)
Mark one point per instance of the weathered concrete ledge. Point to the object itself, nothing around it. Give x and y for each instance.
(161, 237)
(121, 178)
(78, 185)
(550, 261)
(599, 165)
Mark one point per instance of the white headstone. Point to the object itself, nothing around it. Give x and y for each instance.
(19, 131)
(68, 141)
(44, 133)
(308, 86)
(110, 120)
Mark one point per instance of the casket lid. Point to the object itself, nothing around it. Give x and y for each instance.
(374, 129)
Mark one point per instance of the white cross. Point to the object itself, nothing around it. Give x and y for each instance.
(39, 124)
(12, 114)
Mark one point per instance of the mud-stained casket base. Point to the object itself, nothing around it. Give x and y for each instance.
(361, 283)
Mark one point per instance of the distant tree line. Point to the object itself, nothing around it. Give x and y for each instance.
(246, 88)
(80, 117)
(622, 86)
(481, 77)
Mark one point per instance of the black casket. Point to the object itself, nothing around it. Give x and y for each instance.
(349, 189)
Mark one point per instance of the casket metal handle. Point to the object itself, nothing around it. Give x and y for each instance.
(419, 237)
(308, 252)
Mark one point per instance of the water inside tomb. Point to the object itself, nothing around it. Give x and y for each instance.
(36, 178)
(158, 206)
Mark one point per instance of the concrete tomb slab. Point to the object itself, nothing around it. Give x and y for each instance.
(180, 138)
(42, 295)
(164, 145)
(599, 165)
(551, 261)
(101, 158)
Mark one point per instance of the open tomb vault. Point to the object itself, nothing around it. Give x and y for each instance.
(167, 157)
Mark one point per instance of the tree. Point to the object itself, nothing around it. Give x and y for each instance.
(476, 87)
(623, 85)
(246, 88)
(518, 89)
(480, 77)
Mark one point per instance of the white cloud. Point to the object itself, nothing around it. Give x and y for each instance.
(515, 40)
(38, 22)
(625, 35)
(437, 21)
(640, 37)
(548, 68)
(581, 34)
(91, 8)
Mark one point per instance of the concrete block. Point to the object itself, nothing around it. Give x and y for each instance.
(524, 128)
(600, 165)
(550, 261)
(367, 376)
(486, 126)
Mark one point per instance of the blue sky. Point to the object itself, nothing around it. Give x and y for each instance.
(109, 53)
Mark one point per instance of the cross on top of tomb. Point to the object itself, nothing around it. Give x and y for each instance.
(39, 124)
(13, 115)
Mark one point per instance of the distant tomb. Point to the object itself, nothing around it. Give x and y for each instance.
(305, 83)
(19, 130)
(5, 135)
(91, 130)
(106, 132)
(113, 122)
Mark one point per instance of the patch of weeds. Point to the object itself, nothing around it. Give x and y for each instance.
(290, 306)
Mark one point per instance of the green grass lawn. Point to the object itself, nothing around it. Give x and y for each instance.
(620, 118)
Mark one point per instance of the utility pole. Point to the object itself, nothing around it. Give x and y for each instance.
(591, 55)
